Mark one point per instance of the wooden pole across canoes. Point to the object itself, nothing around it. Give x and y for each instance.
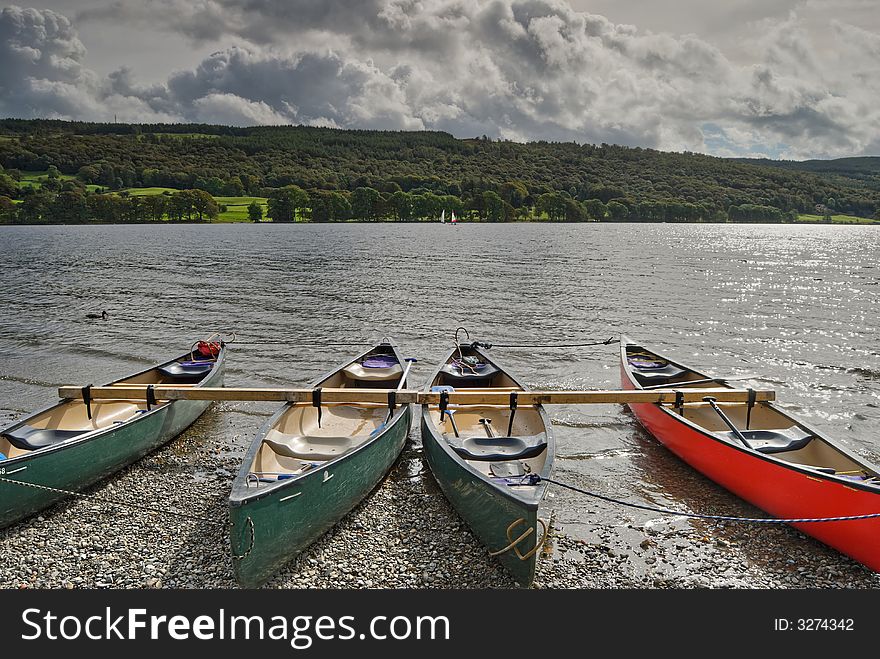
(405, 396)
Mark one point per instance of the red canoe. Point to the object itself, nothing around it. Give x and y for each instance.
(765, 455)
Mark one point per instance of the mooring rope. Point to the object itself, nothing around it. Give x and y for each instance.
(476, 344)
(152, 509)
(534, 479)
(112, 502)
(489, 346)
(359, 344)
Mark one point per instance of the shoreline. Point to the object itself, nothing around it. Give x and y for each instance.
(403, 535)
(865, 222)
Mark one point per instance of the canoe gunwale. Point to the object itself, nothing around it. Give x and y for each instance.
(101, 432)
(531, 500)
(770, 458)
(242, 494)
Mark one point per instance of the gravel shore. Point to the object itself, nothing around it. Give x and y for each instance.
(404, 535)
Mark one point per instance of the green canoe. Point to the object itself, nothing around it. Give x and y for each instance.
(301, 475)
(71, 445)
(482, 462)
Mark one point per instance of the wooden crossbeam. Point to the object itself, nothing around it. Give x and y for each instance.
(596, 397)
(405, 396)
(171, 392)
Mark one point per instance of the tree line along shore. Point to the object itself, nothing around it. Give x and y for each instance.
(73, 173)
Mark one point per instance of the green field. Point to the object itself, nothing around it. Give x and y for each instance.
(145, 192)
(239, 201)
(36, 180)
(237, 208)
(836, 219)
(39, 177)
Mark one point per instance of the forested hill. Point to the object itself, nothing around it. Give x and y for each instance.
(864, 170)
(484, 179)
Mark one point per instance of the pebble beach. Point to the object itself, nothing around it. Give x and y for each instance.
(403, 535)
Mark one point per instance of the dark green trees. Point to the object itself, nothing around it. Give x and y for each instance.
(285, 202)
(255, 212)
(365, 204)
(414, 176)
(329, 206)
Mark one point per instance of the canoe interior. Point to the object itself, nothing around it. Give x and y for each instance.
(768, 430)
(295, 443)
(71, 415)
(528, 423)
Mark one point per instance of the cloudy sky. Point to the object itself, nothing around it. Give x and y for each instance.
(779, 78)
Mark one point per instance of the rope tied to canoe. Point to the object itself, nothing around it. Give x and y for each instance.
(489, 346)
(112, 502)
(514, 542)
(142, 507)
(474, 344)
(312, 344)
(534, 479)
(247, 552)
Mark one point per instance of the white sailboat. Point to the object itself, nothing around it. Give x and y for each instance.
(443, 217)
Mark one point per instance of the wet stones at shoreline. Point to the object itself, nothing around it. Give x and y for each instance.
(404, 535)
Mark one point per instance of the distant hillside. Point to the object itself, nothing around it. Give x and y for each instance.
(863, 170)
(863, 164)
(583, 181)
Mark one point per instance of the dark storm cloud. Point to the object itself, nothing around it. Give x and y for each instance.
(42, 74)
(201, 20)
(517, 69)
(40, 70)
(310, 88)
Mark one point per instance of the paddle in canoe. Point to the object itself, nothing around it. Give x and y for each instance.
(762, 454)
(482, 455)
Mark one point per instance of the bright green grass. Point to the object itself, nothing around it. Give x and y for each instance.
(237, 208)
(234, 215)
(836, 219)
(146, 192)
(240, 201)
(36, 180)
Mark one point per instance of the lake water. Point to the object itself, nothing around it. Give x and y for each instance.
(796, 306)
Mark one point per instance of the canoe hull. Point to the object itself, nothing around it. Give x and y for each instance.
(82, 463)
(793, 494)
(291, 516)
(486, 511)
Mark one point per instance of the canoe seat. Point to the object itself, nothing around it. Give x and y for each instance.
(29, 438)
(774, 441)
(186, 371)
(658, 375)
(498, 448)
(312, 448)
(373, 374)
(481, 377)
